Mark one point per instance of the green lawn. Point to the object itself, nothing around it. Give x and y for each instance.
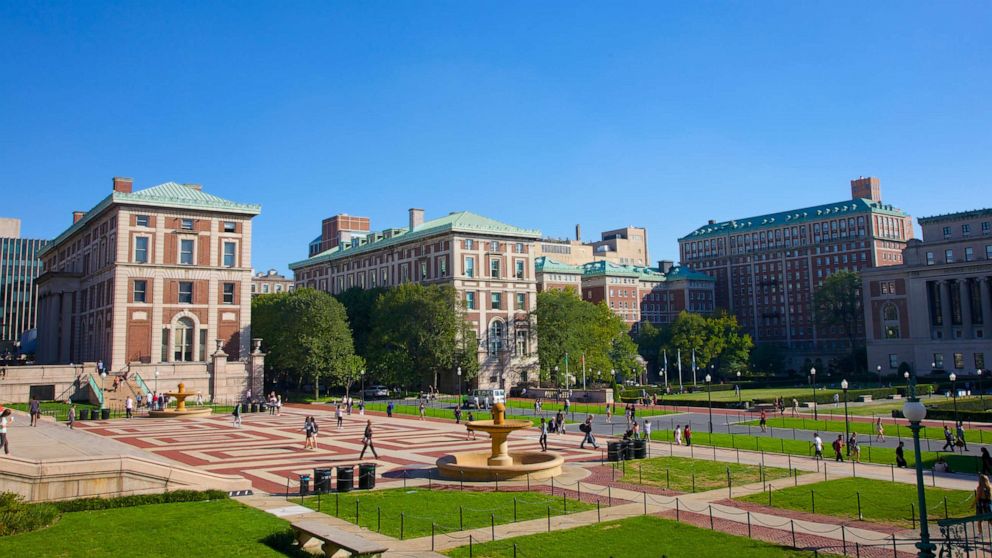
(219, 528)
(748, 394)
(581, 408)
(57, 408)
(883, 408)
(885, 456)
(881, 501)
(635, 537)
(444, 413)
(448, 510)
(867, 428)
(695, 475)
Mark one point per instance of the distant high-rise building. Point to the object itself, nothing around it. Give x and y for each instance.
(768, 267)
(19, 267)
(624, 246)
(270, 281)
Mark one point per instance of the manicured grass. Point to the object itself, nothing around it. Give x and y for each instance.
(57, 408)
(444, 413)
(635, 537)
(695, 475)
(881, 501)
(885, 456)
(447, 510)
(867, 428)
(218, 528)
(582, 408)
(748, 394)
(883, 408)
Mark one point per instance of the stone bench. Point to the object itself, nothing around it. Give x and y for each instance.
(809, 404)
(335, 539)
(865, 398)
(895, 396)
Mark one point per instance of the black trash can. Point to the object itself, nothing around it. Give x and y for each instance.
(83, 414)
(254, 407)
(366, 476)
(627, 450)
(640, 449)
(105, 414)
(346, 478)
(304, 484)
(613, 450)
(322, 480)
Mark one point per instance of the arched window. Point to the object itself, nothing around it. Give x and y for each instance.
(183, 340)
(497, 332)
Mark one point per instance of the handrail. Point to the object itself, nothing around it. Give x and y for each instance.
(96, 388)
(141, 384)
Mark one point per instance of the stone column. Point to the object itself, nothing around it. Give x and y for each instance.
(218, 375)
(945, 307)
(964, 296)
(985, 290)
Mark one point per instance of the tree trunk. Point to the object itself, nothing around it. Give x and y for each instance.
(316, 387)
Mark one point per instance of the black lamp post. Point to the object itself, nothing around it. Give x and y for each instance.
(812, 381)
(981, 394)
(879, 370)
(954, 393)
(847, 434)
(915, 412)
(459, 373)
(709, 401)
(738, 386)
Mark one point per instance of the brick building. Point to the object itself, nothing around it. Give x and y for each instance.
(490, 264)
(768, 267)
(270, 281)
(160, 275)
(634, 293)
(624, 246)
(19, 267)
(934, 310)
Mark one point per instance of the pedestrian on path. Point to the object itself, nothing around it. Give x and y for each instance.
(469, 433)
(35, 411)
(854, 447)
(5, 419)
(678, 435)
(900, 456)
(422, 409)
(762, 420)
(795, 407)
(879, 430)
(367, 441)
(458, 415)
(543, 439)
(586, 428)
(389, 409)
(960, 432)
(986, 462)
(129, 407)
(361, 408)
(647, 429)
(948, 439)
(688, 435)
(983, 497)
(817, 446)
(609, 414)
(339, 415)
(237, 415)
(278, 405)
(308, 430)
(838, 445)
(70, 418)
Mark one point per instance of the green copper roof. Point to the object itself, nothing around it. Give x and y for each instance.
(170, 194)
(604, 268)
(798, 216)
(545, 264)
(955, 216)
(459, 222)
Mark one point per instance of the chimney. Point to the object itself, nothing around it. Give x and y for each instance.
(416, 218)
(866, 188)
(711, 222)
(77, 215)
(197, 187)
(124, 185)
(665, 265)
(578, 233)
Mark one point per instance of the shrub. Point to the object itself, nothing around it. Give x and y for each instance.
(85, 504)
(18, 516)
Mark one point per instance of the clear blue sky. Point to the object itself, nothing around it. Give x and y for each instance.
(540, 114)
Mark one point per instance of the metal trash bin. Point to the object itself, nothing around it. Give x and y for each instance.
(613, 450)
(640, 448)
(83, 414)
(105, 414)
(254, 407)
(304, 484)
(346, 478)
(627, 450)
(322, 480)
(366, 476)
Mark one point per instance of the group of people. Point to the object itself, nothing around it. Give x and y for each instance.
(955, 439)
(682, 435)
(310, 429)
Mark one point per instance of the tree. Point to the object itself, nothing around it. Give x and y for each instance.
(417, 335)
(649, 340)
(768, 358)
(359, 303)
(717, 340)
(837, 305)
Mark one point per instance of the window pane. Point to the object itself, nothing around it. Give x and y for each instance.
(229, 251)
(141, 249)
(229, 226)
(139, 290)
(187, 224)
(186, 251)
(186, 292)
(228, 293)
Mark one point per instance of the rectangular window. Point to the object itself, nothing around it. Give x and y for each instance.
(930, 259)
(141, 220)
(947, 232)
(497, 301)
(423, 270)
(988, 251)
(969, 254)
(938, 361)
(521, 301)
(980, 361)
(519, 271)
(469, 267)
(186, 251)
(966, 229)
(228, 293)
(141, 249)
(230, 249)
(186, 224)
(186, 292)
(520, 247)
(494, 268)
(470, 300)
(442, 265)
(959, 360)
(229, 226)
(494, 246)
(948, 256)
(469, 244)
(140, 287)
(893, 361)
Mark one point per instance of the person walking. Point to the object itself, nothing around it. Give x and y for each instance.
(983, 497)
(313, 432)
(339, 416)
(469, 433)
(838, 445)
(762, 420)
(986, 462)
(148, 400)
(817, 446)
(609, 414)
(855, 448)
(678, 435)
(422, 409)
(458, 415)
(237, 415)
(278, 405)
(687, 431)
(308, 431)
(960, 433)
(647, 429)
(367, 441)
(361, 408)
(5, 420)
(900, 456)
(795, 407)
(389, 409)
(543, 439)
(129, 407)
(879, 430)
(35, 411)
(586, 428)
(70, 419)
(948, 439)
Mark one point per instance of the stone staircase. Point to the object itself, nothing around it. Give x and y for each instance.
(115, 399)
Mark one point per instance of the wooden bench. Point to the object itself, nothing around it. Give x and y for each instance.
(334, 539)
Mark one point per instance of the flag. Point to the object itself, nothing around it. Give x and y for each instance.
(665, 352)
(680, 368)
(693, 366)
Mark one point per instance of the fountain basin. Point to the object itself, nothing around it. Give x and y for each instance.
(475, 466)
(187, 412)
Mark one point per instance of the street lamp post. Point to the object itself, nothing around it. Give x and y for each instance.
(557, 381)
(915, 412)
(812, 381)
(103, 382)
(981, 394)
(156, 380)
(709, 401)
(847, 434)
(362, 374)
(879, 370)
(738, 386)
(954, 393)
(459, 386)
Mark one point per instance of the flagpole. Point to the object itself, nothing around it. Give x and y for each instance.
(666, 368)
(583, 371)
(680, 369)
(693, 367)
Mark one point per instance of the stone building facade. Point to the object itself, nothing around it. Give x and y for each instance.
(270, 281)
(623, 246)
(19, 267)
(490, 265)
(934, 312)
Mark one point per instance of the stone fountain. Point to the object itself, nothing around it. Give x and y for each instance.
(180, 411)
(499, 463)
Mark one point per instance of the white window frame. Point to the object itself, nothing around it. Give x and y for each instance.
(179, 250)
(223, 252)
(179, 297)
(148, 242)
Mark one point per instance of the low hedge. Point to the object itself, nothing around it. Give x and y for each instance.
(18, 516)
(89, 504)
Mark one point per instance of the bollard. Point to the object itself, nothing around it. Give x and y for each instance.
(492, 525)
(549, 519)
(668, 479)
(598, 516)
(432, 537)
(378, 519)
(609, 496)
(945, 507)
(645, 494)
(812, 500)
(893, 469)
(470, 546)
(337, 504)
(730, 489)
(711, 517)
(693, 481)
(676, 510)
(912, 515)
(843, 539)
(356, 512)
(749, 525)
(895, 551)
(860, 517)
(854, 472)
(792, 525)
(769, 497)
(401, 524)
(564, 502)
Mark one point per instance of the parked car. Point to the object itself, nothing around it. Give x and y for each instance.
(477, 398)
(376, 392)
